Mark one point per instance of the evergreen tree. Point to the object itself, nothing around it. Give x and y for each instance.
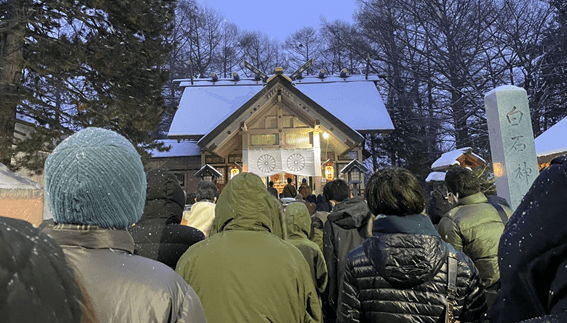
(91, 63)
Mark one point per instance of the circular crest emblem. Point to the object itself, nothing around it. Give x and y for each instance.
(266, 163)
(296, 162)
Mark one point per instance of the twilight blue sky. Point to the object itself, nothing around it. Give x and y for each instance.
(279, 18)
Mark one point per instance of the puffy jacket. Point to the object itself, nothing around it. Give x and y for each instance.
(158, 235)
(124, 287)
(37, 285)
(243, 272)
(400, 275)
(298, 224)
(475, 227)
(345, 229)
(533, 253)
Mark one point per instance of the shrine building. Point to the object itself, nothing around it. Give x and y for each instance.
(277, 127)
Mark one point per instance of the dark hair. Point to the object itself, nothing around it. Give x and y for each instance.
(289, 180)
(462, 180)
(206, 191)
(394, 191)
(271, 183)
(336, 190)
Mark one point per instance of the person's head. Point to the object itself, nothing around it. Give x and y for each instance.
(289, 180)
(206, 191)
(336, 191)
(304, 181)
(461, 182)
(95, 177)
(246, 204)
(165, 197)
(37, 283)
(271, 183)
(394, 191)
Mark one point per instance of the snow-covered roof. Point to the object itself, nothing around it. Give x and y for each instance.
(553, 141)
(14, 181)
(435, 177)
(178, 149)
(353, 100)
(450, 158)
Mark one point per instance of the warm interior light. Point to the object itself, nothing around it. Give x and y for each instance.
(325, 135)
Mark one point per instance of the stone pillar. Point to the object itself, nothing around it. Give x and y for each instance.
(511, 142)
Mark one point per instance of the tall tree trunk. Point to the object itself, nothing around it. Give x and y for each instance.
(11, 65)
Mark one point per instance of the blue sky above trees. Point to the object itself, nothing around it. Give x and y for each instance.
(281, 18)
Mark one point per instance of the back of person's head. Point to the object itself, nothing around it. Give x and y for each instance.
(206, 191)
(271, 183)
(336, 190)
(462, 181)
(164, 195)
(37, 284)
(394, 191)
(297, 219)
(289, 180)
(245, 203)
(304, 181)
(95, 177)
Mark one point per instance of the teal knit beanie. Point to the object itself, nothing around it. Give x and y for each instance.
(95, 177)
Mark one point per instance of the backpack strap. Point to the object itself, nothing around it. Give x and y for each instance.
(501, 212)
(452, 268)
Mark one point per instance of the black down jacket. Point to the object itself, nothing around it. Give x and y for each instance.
(402, 277)
(159, 235)
(345, 229)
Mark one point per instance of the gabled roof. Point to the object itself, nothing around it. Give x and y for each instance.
(552, 142)
(457, 157)
(354, 164)
(208, 168)
(285, 82)
(353, 100)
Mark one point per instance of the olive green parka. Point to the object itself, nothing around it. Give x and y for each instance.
(298, 225)
(244, 272)
(474, 227)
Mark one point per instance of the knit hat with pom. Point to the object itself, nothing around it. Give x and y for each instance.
(95, 177)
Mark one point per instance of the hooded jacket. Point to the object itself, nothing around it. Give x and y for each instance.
(244, 272)
(533, 253)
(400, 275)
(475, 227)
(298, 224)
(124, 287)
(158, 235)
(345, 229)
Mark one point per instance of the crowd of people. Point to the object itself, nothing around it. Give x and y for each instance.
(122, 248)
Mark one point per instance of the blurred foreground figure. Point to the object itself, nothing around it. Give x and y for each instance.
(245, 272)
(400, 273)
(96, 188)
(202, 212)
(36, 283)
(159, 235)
(474, 226)
(533, 253)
